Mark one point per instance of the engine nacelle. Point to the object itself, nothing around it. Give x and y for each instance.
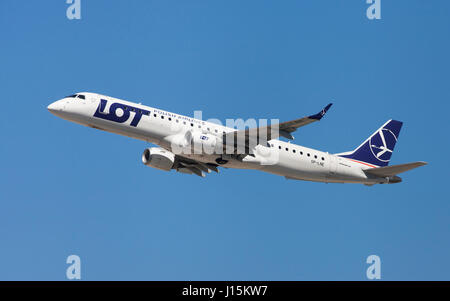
(180, 141)
(204, 143)
(159, 158)
(193, 142)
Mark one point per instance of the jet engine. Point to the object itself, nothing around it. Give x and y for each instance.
(159, 158)
(193, 142)
(204, 143)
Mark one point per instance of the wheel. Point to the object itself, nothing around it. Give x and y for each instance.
(221, 161)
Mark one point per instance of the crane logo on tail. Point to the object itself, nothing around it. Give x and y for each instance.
(382, 144)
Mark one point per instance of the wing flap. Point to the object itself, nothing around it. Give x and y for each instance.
(195, 167)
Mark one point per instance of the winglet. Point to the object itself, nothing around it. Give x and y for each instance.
(319, 115)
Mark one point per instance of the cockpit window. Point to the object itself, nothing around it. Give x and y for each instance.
(77, 96)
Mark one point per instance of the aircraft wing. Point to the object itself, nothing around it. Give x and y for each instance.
(389, 171)
(263, 134)
(286, 128)
(190, 166)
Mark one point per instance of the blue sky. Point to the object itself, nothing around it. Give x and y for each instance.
(68, 189)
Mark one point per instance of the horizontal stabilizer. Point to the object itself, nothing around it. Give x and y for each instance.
(389, 171)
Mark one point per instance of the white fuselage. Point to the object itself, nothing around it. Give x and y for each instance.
(291, 161)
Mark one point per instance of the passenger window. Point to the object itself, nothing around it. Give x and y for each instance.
(279, 146)
(307, 155)
(323, 159)
(154, 115)
(315, 156)
(301, 153)
(287, 149)
(162, 117)
(293, 151)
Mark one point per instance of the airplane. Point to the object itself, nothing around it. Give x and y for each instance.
(193, 146)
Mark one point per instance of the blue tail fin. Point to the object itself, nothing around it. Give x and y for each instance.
(378, 148)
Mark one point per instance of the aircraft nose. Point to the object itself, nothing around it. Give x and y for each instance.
(55, 106)
(51, 107)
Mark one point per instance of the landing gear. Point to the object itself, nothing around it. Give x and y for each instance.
(221, 161)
